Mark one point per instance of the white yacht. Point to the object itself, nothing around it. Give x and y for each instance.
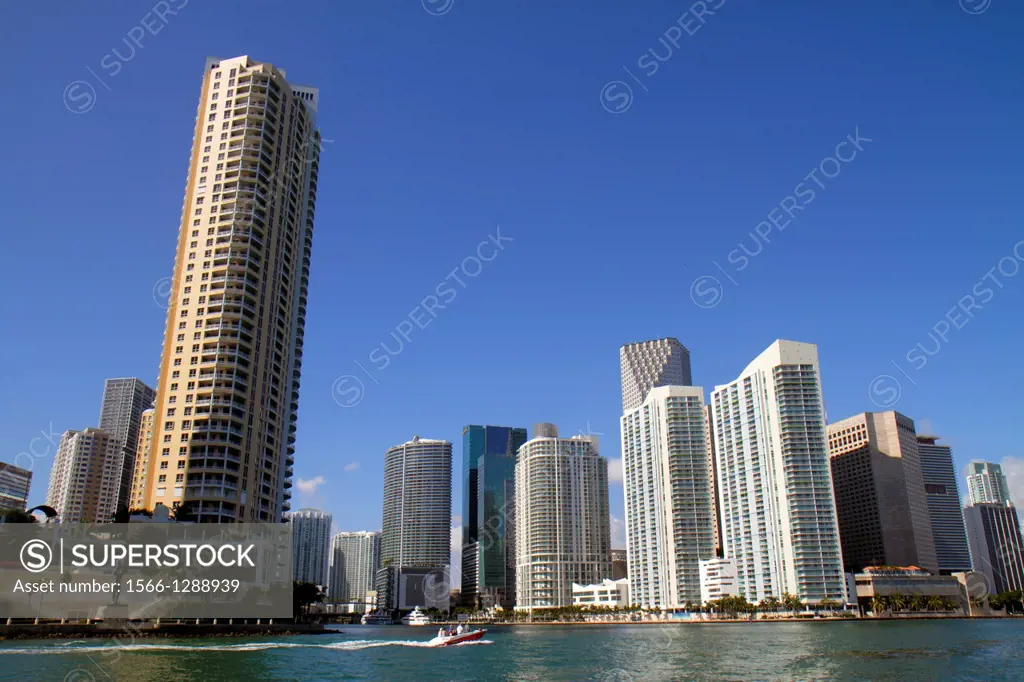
(416, 617)
(376, 618)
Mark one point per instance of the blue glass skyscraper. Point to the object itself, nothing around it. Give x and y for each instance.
(488, 514)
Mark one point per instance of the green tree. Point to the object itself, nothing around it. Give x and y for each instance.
(16, 516)
(828, 604)
(303, 595)
(184, 513)
(792, 602)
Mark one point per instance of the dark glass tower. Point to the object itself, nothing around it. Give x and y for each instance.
(488, 515)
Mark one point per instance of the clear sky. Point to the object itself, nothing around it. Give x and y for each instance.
(445, 119)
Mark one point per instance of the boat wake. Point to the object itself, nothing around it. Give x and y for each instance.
(354, 645)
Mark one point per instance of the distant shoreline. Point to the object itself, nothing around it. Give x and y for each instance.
(111, 630)
(681, 621)
(165, 630)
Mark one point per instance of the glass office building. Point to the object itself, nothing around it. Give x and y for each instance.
(488, 521)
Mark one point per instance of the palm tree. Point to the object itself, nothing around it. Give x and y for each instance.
(303, 595)
(770, 604)
(792, 602)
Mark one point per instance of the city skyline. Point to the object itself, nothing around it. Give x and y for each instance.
(331, 438)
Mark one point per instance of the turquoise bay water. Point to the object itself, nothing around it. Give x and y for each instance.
(919, 650)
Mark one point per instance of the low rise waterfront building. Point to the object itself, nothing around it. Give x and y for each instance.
(717, 580)
(610, 593)
(904, 588)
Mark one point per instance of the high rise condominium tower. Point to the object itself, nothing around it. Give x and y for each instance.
(987, 484)
(124, 401)
(944, 510)
(778, 514)
(563, 533)
(415, 544)
(488, 514)
(228, 390)
(417, 504)
(86, 476)
(880, 494)
(670, 497)
(311, 541)
(14, 485)
(644, 365)
(355, 558)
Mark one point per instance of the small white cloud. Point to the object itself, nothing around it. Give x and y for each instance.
(615, 470)
(618, 532)
(351, 466)
(1013, 469)
(309, 486)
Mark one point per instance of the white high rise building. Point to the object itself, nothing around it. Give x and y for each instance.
(669, 492)
(987, 484)
(645, 365)
(417, 516)
(85, 479)
(311, 541)
(355, 558)
(563, 533)
(778, 512)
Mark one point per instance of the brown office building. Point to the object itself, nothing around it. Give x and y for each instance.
(880, 494)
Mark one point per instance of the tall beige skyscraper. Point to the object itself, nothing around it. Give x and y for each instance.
(228, 388)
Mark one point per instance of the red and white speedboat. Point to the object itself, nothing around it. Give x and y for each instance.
(458, 639)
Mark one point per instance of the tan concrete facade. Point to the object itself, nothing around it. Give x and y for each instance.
(227, 393)
(880, 494)
(137, 495)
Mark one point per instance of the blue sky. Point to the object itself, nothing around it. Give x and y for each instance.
(445, 120)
